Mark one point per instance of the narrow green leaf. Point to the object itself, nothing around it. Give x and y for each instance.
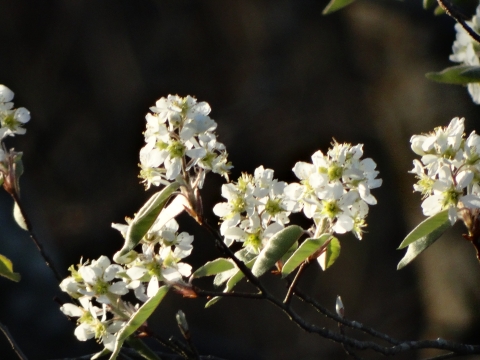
(145, 217)
(276, 247)
(434, 226)
(6, 269)
(214, 267)
(414, 249)
(237, 276)
(335, 5)
(137, 319)
(331, 254)
(457, 75)
(307, 248)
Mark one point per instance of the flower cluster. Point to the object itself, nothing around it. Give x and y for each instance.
(257, 208)
(335, 189)
(11, 120)
(106, 283)
(466, 51)
(179, 129)
(448, 173)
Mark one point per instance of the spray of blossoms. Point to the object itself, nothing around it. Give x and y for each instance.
(334, 189)
(449, 171)
(256, 209)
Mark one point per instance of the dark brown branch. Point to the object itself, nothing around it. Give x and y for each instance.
(207, 293)
(398, 346)
(459, 17)
(351, 324)
(12, 342)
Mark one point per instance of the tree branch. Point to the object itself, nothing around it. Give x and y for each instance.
(12, 342)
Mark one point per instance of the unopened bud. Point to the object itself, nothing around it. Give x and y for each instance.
(182, 324)
(339, 307)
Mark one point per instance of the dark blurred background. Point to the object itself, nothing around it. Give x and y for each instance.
(282, 80)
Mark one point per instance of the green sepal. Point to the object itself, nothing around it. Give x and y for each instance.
(335, 5)
(214, 267)
(307, 248)
(138, 319)
(433, 226)
(438, 11)
(276, 247)
(423, 236)
(6, 269)
(427, 4)
(456, 75)
(145, 218)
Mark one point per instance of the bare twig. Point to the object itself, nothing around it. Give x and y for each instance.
(37, 242)
(12, 342)
(207, 293)
(294, 282)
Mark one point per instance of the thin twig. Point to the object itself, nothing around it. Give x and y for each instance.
(207, 293)
(37, 242)
(294, 282)
(459, 17)
(12, 342)
(352, 324)
(450, 355)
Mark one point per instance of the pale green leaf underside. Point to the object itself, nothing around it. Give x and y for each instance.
(214, 267)
(331, 255)
(457, 75)
(434, 225)
(307, 248)
(432, 229)
(335, 5)
(146, 216)
(276, 247)
(6, 269)
(137, 320)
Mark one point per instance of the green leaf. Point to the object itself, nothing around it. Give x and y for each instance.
(214, 267)
(307, 248)
(330, 256)
(415, 249)
(6, 269)
(276, 247)
(335, 5)
(137, 319)
(145, 218)
(236, 277)
(457, 75)
(438, 224)
(433, 226)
